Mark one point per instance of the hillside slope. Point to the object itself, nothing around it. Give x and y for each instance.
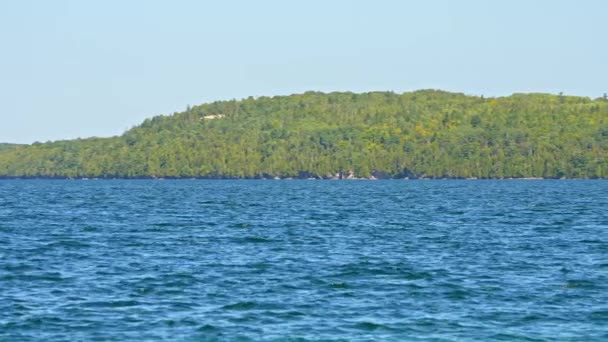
(7, 146)
(419, 134)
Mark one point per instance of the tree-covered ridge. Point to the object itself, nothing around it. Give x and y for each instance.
(418, 134)
(7, 146)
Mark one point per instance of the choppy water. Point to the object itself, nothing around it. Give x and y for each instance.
(351, 260)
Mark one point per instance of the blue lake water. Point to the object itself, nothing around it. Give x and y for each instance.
(304, 260)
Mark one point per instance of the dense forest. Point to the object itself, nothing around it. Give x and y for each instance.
(427, 133)
(5, 146)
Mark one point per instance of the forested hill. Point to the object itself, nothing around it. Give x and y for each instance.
(6, 146)
(425, 133)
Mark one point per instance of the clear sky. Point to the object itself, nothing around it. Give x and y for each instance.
(95, 68)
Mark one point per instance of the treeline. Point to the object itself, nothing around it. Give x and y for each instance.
(425, 133)
(5, 146)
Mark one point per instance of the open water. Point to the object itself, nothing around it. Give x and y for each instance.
(445, 260)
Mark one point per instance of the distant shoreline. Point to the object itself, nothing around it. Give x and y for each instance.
(286, 178)
(420, 134)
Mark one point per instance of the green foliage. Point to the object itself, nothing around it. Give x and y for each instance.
(5, 146)
(419, 134)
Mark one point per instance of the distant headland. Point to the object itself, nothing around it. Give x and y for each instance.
(342, 135)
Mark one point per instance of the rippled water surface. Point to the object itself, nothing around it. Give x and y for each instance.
(309, 260)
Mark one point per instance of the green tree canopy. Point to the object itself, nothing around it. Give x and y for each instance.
(426, 133)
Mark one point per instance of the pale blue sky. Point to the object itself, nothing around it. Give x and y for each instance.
(95, 68)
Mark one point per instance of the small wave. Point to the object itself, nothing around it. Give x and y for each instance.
(208, 328)
(600, 316)
(513, 337)
(534, 317)
(52, 276)
(240, 306)
(256, 239)
(16, 267)
(142, 291)
(90, 229)
(35, 322)
(182, 322)
(370, 326)
(68, 244)
(413, 275)
(112, 304)
(163, 224)
(581, 284)
(458, 294)
(356, 270)
(286, 314)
